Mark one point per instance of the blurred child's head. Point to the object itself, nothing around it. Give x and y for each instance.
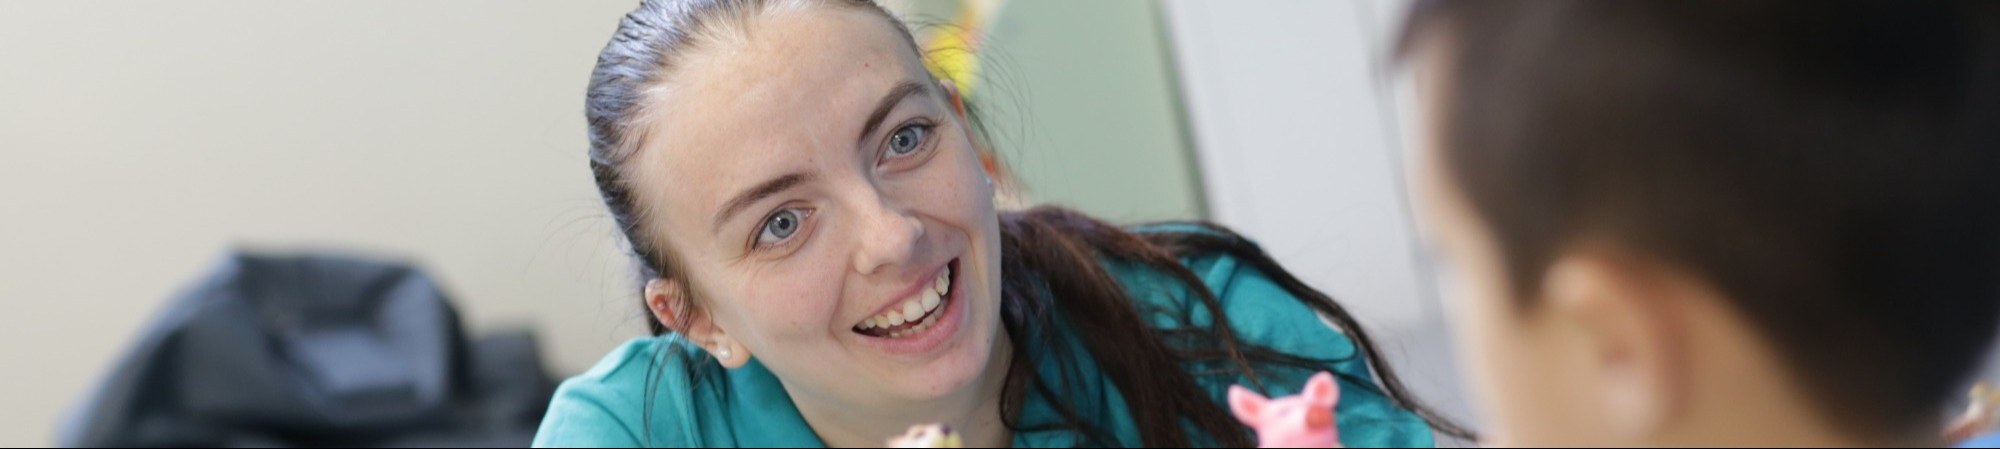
(1680, 221)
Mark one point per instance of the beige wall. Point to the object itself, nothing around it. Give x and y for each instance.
(140, 140)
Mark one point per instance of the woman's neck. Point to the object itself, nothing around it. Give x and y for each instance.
(974, 412)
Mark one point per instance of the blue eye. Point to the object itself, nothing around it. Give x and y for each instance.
(782, 225)
(907, 139)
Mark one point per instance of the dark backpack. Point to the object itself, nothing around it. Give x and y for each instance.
(314, 350)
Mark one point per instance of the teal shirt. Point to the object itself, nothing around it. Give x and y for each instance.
(607, 406)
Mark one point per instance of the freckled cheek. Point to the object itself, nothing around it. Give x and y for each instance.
(795, 308)
(953, 190)
(971, 195)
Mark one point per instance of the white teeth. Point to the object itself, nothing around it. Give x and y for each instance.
(914, 309)
(930, 300)
(896, 318)
(943, 283)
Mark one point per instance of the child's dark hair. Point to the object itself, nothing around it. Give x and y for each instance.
(1832, 167)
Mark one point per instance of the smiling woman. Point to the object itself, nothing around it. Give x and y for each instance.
(809, 289)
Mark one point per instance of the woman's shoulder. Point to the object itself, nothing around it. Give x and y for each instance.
(1263, 312)
(663, 392)
(1260, 310)
(606, 406)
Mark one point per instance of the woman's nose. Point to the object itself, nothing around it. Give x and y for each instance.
(889, 236)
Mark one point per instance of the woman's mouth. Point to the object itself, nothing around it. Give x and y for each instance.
(915, 314)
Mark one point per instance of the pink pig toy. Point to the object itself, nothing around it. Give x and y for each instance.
(1303, 420)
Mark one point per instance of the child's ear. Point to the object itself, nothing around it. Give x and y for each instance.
(1248, 405)
(1616, 305)
(1322, 390)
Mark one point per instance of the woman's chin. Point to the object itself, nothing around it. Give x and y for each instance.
(956, 370)
(934, 386)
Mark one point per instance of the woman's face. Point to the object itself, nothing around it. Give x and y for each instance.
(816, 189)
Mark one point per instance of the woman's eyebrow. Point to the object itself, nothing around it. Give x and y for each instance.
(888, 103)
(753, 194)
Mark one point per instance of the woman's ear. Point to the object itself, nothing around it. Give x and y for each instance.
(957, 98)
(987, 160)
(668, 300)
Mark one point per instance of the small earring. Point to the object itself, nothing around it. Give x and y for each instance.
(989, 180)
(721, 353)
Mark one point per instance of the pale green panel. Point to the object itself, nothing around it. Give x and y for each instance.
(1082, 102)
(924, 11)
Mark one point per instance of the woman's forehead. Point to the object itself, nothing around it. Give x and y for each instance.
(797, 84)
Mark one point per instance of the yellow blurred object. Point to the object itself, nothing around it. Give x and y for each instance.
(952, 54)
(955, 57)
(954, 50)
